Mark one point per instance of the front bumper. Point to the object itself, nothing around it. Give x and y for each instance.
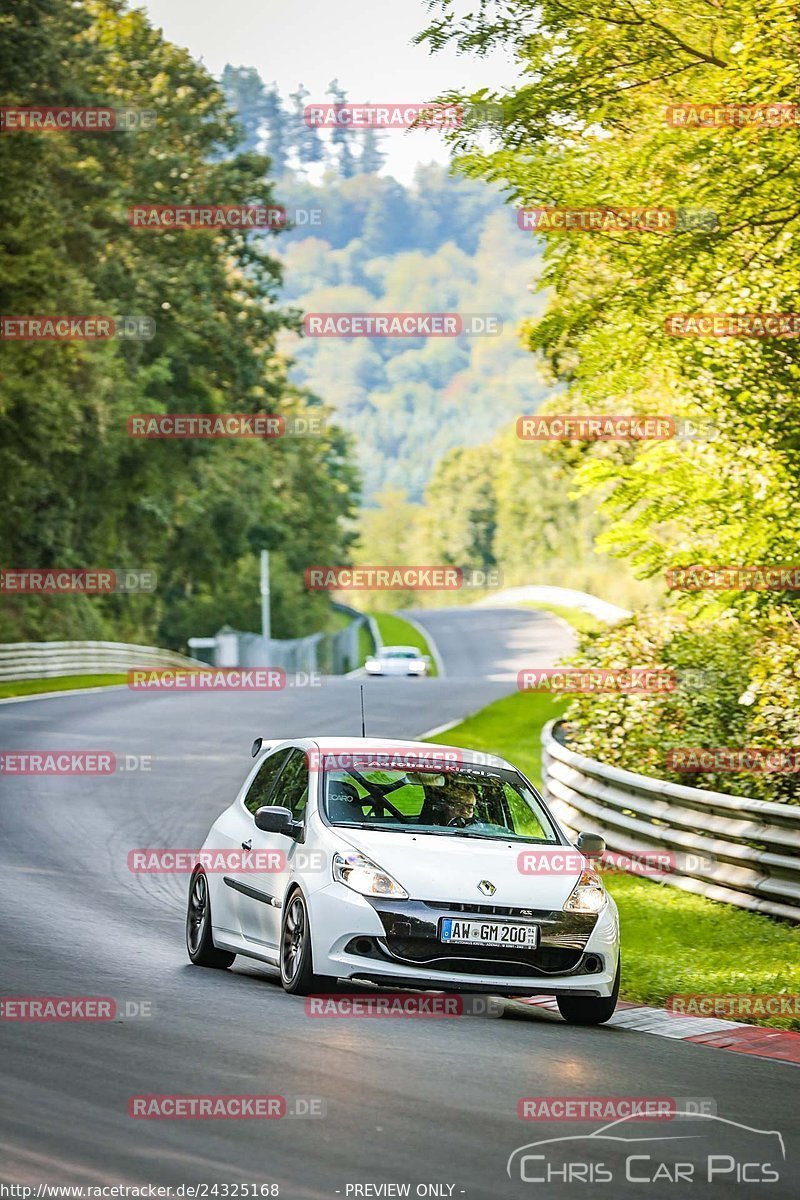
(396, 943)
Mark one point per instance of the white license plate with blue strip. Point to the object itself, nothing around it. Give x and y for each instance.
(489, 933)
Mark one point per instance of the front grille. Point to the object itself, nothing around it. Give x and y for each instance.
(411, 935)
(483, 960)
(489, 910)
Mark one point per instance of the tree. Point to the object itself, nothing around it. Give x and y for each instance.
(244, 91)
(584, 136)
(275, 123)
(341, 136)
(307, 142)
(78, 491)
(372, 155)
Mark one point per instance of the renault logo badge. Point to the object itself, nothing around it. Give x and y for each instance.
(487, 887)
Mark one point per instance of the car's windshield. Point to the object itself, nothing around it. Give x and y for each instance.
(480, 802)
(398, 654)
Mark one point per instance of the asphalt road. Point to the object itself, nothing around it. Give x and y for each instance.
(407, 1102)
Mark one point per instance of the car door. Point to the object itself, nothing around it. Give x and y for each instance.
(235, 830)
(261, 892)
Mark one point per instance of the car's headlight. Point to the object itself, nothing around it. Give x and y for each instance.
(360, 873)
(588, 895)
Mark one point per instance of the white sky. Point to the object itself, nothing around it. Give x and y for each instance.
(365, 44)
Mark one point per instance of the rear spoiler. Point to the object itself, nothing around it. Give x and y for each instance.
(264, 744)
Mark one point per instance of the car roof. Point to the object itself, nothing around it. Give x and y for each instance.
(413, 649)
(360, 745)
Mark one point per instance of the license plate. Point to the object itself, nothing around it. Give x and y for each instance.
(489, 933)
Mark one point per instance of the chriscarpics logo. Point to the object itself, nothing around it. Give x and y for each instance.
(699, 1148)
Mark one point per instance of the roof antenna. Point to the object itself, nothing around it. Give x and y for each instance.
(363, 725)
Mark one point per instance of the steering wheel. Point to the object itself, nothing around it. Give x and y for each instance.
(458, 822)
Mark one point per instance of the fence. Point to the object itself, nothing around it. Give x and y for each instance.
(732, 848)
(331, 653)
(36, 660)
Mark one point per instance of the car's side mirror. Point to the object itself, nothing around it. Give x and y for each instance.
(256, 746)
(273, 818)
(591, 844)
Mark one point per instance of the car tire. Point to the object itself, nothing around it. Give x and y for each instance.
(296, 963)
(589, 1010)
(199, 940)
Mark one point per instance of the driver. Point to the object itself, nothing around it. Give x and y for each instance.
(453, 804)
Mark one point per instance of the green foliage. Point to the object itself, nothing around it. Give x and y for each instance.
(592, 131)
(587, 127)
(443, 245)
(738, 685)
(77, 490)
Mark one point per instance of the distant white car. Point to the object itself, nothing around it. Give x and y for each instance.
(397, 660)
(371, 860)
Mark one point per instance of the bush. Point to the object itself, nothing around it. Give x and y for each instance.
(738, 685)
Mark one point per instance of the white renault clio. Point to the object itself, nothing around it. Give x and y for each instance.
(408, 865)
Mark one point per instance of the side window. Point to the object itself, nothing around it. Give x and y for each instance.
(261, 786)
(292, 789)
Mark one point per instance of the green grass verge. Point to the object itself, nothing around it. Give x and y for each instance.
(511, 727)
(60, 683)
(675, 942)
(672, 942)
(396, 632)
(581, 622)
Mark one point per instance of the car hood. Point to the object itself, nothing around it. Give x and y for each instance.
(433, 867)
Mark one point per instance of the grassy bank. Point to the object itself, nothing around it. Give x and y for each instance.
(672, 942)
(61, 683)
(581, 622)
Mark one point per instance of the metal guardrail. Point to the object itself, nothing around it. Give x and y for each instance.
(37, 660)
(735, 849)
